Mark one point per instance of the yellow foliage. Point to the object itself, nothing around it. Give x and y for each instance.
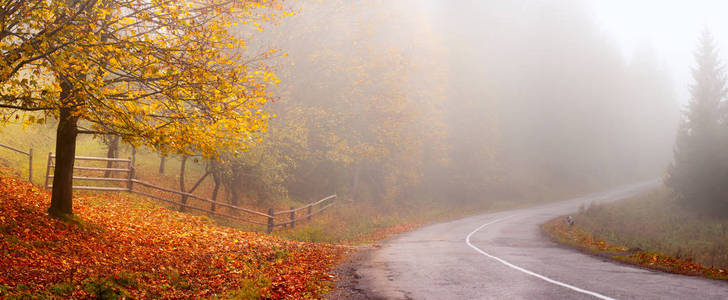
(167, 74)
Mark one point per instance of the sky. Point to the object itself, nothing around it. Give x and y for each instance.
(669, 28)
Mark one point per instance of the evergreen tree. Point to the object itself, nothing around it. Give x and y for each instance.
(697, 172)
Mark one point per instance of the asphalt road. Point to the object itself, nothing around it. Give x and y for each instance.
(505, 255)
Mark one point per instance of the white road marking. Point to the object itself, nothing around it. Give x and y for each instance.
(510, 265)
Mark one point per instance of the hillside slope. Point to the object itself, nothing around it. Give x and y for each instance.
(120, 246)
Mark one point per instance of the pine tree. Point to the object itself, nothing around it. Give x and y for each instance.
(697, 172)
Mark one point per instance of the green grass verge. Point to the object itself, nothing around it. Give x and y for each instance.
(651, 231)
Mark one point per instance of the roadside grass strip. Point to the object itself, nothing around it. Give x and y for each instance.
(585, 241)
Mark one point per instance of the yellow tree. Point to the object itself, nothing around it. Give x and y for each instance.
(29, 32)
(166, 74)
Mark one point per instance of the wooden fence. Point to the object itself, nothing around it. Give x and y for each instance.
(131, 185)
(30, 159)
(323, 204)
(128, 171)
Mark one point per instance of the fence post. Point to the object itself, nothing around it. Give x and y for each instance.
(30, 165)
(309, 213)
(48, 170)
(293, 217)
(271, 222)
(131, 176)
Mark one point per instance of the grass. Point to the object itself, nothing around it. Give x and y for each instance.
(356, 223)
(653, 231)
(349, 223)
(41, 138)
(656, 222)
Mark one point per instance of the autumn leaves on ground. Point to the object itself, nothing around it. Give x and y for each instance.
(123, 247)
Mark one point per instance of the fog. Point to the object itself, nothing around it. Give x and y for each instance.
(337, 126)
(569, 104)
(668, 28)
(402, 100)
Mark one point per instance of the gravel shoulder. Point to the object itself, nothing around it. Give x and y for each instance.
(348, 283)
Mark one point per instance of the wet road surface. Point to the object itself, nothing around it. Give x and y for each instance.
(505, 255)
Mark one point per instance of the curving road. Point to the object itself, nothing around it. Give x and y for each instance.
(504, 255)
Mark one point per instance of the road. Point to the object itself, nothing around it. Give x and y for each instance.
(505, 255)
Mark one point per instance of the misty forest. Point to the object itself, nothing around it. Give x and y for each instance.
(350, 149)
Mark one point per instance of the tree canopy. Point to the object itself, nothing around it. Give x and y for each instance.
(166, 74)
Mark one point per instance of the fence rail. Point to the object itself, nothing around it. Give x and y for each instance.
(97, 169)
(305, 206)
(30, 159)
(294, 219)
(128, 179)
(250, 211)
(97, 178)
(126, 160)
(131, 182)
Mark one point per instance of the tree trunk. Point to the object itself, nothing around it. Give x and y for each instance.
(214, 194)
(182, 182)
(234, 196)
(355, 183)
(133, 157)
(62, 194)
(214, 169)
(112, 152)
(161, 164)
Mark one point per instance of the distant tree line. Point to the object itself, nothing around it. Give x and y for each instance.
(502, 111)
(547, 102)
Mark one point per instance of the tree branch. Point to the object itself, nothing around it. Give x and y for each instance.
(25, 108)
